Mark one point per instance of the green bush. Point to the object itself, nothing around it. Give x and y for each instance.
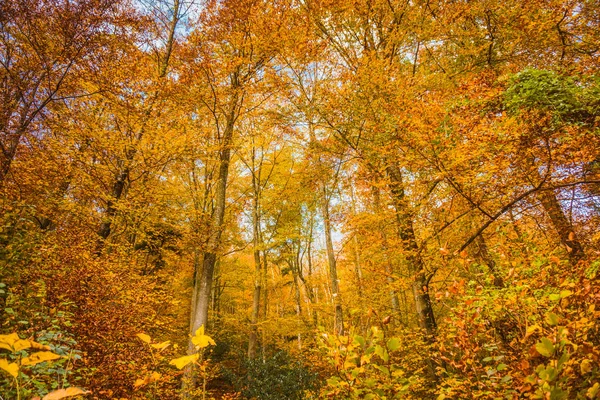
(278, 377)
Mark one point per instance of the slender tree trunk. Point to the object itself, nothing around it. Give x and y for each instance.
(253, 337)
(335, 286)
(485, 258)
(265, 304)
(8, 150)
(561, 224)
(356, 248)
(111, 209)
(312, 294)
(389, 268)
(203, 284)
(420, 284)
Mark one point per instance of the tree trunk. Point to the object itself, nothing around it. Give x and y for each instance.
(204, 280)
(420, 284)
(389, 268)
(335, 287)
(561, 224)
(485, 258)
(203, 284)
(253, 336)
(356, 249)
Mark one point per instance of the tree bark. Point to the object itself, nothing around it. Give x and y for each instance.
(335, 286)
(485, 258)
(256, 239)
(561, 224)
(416, 266)
(389, 268)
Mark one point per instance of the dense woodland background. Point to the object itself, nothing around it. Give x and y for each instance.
(367, 199)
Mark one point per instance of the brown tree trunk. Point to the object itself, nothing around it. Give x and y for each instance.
(420, 284)
(561, 224)
(253, 336)
(389, 268)
(485, 258)
(335, 286)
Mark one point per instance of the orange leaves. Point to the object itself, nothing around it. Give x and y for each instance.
(64, 393)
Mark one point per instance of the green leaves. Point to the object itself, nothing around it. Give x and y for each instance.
(545, 347)
(393, 344)
(544, 90)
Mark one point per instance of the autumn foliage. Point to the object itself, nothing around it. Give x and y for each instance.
(232, 199)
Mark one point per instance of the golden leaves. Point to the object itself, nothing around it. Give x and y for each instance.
(144, 338)
(39, 357)
(13, 343)
(182, 362)
(11, 368)
(200, 340)
(154, 377)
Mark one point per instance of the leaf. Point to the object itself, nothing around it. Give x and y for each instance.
(161, 346)
(13, 343)
(552, 319)
(182, 362)
(360, 340)
(554, 297)
(155, 376)
(382, 369)
(565, 293)
(39, 357)
(199, 331)
(393, 344)
(64, 393)
(139, 383)
(593, 391)
(545, 347)
(200, 340)
(532, 329)
(39, 346)
(12, 368)
(144, 338)
(585, 366)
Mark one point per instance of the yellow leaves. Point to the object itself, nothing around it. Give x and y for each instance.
(593, 391)
(200, 340)
(11, 368)
(64, 393)
(182, 362)
(545, 347)
(154, 377)
(585, 366)
(13, 343)
(148, 340)
(39, 357)
(161, 346)
(144, 338)
(531, 330)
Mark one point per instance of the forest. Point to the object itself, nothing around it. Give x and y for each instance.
(299, 199)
